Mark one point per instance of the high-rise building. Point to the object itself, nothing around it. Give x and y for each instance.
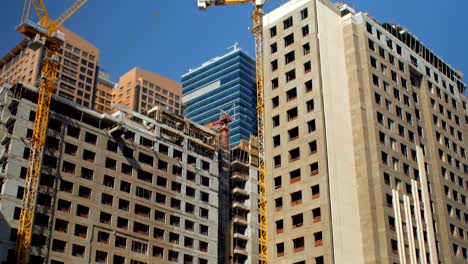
(140, 191)
(76, 74)
(365, 141)
(225, 83)
(141, 90)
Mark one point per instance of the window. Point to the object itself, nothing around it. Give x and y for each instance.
(295, 176)
(279, 226)
(292, 114)
(101, 256)
(316, 215)
(315, 191)
(371, 45)
(373, 62)
(318, 239)
(274, 65)
(287, 23)
(296, 198)
(311, 126)
(276, 121)
(289, 57)
(277, 182)
(306, 49)
(291, 94)
(310, 105)
(139, 247)
(294, 154)
(277, 161)
(273, 48)
(158, 252)
(304, 13)
(279, 203)
(313, 147)
(173, 256)
(307, 67)
(275, 102)
(297, 220)
(106, 199)
(84, 192)
(289, 39)
(314, 169)
(298, 244)
(272, 32)
(280, 249)
(369, 28)
(293, 133)
(276, 141)
(290, 75)
(305, 30)
(274, 83)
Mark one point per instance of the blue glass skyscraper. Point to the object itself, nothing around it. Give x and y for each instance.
(225, 83)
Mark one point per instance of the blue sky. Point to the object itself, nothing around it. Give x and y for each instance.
(180, 37)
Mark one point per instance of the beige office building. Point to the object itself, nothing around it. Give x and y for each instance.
(365, 140)
(76, 75)
(141, 90)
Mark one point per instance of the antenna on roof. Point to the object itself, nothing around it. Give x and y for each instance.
(234, 47)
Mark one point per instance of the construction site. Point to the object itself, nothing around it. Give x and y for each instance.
(342, 141)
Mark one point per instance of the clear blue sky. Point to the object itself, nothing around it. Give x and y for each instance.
(128, 33)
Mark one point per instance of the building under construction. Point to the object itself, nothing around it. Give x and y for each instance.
(126, 188)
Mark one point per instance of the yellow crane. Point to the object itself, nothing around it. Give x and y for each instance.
(257, 31)
(43, 33)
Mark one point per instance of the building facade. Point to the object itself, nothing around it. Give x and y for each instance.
(141, 90)
(225, 83)
(365, 141)
(76, 76)
(112, 190)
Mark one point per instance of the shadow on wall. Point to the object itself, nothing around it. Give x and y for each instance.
(7, 247)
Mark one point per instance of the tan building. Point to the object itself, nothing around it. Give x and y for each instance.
(138, 191)
(141, 90)
(77, 74)
(365, 140)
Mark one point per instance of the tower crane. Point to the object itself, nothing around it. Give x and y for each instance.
(257, 31)
(44, 33)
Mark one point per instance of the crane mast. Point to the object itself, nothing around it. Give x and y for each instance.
(257, 31)
(44, 33)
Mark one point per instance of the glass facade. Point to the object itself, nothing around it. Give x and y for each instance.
(225, 83)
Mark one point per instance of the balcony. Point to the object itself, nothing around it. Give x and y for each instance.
(238, 219)
(240, 191)
(5, 138)
(3, 154)
(241, 236)
(238, 176)
(240, 205)
(7, 118)
(240, 250)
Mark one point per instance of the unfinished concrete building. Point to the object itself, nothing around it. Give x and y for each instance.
(365, 141)
(112, 189)
(244, 208)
